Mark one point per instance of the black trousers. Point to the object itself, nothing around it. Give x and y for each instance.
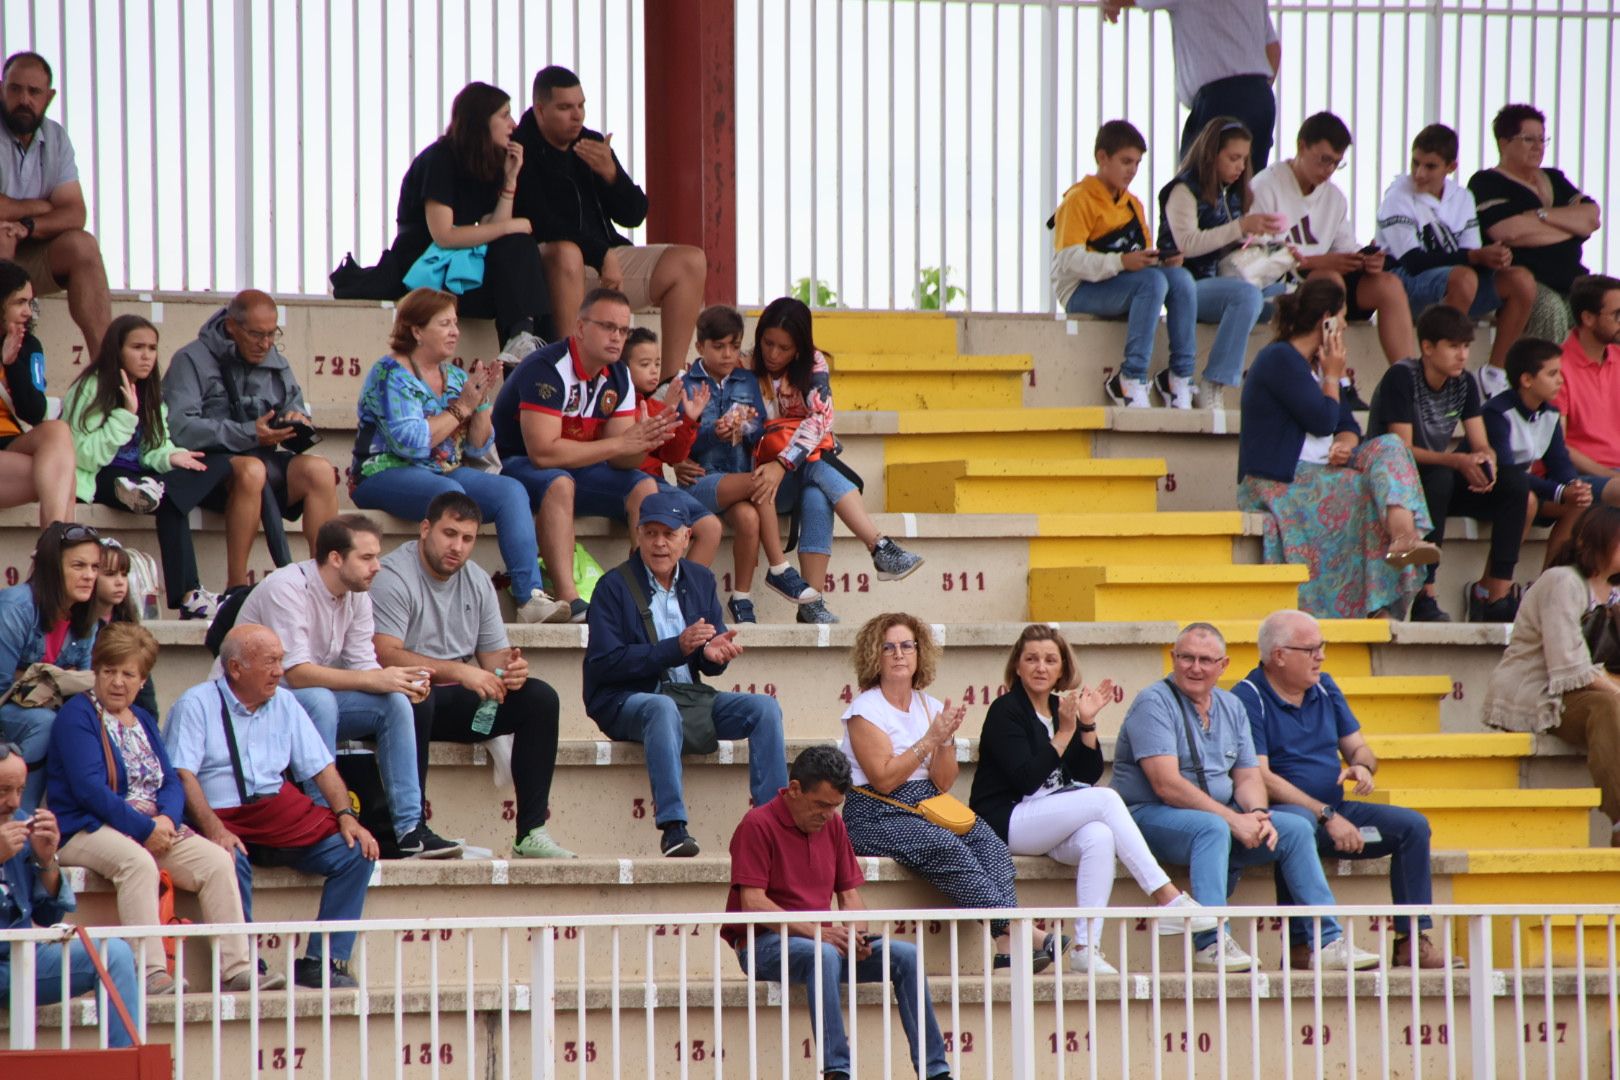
(183, 491)
(529, 715)
(1244, 97)
(1504, 506)
(514, 291)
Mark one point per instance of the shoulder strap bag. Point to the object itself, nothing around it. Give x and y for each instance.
(694, 700)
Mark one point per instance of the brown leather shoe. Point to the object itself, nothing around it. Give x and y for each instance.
(1430, 955)
(1301, 956)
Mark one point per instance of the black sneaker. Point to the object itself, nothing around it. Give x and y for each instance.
(1503, 609)
(423, 843)
(677, 842)
(893, 562)
(741, 610)
(307, 973)
(1349, 396)
(578, 610)
(1426, 609)
(815, 612)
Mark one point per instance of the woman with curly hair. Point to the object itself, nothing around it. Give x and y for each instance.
(901, 747)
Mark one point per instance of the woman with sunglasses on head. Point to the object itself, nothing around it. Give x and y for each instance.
(49, 619)
(36, 454)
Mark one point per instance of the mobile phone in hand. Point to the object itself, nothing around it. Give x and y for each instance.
(1371, 249)
(1371, 835)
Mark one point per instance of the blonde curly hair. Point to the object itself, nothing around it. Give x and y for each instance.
(868, 652)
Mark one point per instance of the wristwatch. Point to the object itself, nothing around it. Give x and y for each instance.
(1327, 815)
(346, 811)
(34, 859)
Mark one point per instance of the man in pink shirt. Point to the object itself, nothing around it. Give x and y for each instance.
(1590, 398)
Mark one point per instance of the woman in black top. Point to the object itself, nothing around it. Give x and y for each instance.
(1038, 759)
(458, 194)
(36, 454)
(1538, 213)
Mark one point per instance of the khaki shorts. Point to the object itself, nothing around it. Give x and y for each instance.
(34, 256)
(637, 265)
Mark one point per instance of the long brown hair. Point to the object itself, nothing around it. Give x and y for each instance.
(1206, 148)
(108, 372)
(469, 129)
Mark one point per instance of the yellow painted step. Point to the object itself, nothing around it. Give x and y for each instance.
(1167, 538)
(1487, 818)
(884, 332)
(1449, 761)
(1580, 875)
(1383, 704)
(1177, 593)
(1013, 486)
(1348, 641)
(928, 381)
(952, 434)
(923, 422)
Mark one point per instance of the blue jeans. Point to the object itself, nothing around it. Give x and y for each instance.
(817, 487)
(30, 729)
(902, 975)
(1203, 843)
(1428, 287)
(1405, 839)
(655, 722)
(347, 874)
(355, 714)
(1140, 295)
(1235, 305)
(81, 980)
(406, 492)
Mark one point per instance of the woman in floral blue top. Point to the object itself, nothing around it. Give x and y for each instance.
(420, 415)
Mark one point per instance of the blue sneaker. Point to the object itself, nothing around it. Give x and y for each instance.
(741, 610)
(790, 585)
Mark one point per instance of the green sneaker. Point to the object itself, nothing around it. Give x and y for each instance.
(539, 845)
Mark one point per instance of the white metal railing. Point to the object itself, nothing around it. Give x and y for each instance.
(235, 142)
(660, 994)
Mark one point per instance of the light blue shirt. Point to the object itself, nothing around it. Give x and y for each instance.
(1157, 725)
(668, 619)
(272, 737)
(33, 172)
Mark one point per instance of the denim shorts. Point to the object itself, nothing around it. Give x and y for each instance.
(707, 490)
(1425, 289)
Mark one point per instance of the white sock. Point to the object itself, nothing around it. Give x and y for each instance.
(735, 595)
(780, 567)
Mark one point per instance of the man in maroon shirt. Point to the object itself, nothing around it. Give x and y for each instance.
(791, 855)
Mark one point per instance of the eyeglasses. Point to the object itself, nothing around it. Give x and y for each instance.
(1319, 649)
(263, 337)
(1194, 660)
(1532, 140)
(903, 647)
(111, 542)
(1328, 161)
(612, 329)
(78, 534)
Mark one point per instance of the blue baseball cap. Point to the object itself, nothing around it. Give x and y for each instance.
(667, 508)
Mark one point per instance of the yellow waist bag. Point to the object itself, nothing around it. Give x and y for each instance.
(946, 811)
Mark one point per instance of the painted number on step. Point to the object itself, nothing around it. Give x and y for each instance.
(276, 1058)
(1432, 1034)
(78, 355)
(1308, 1035)
(638, 808)
(905, 927)
(966, 1041)
(557, 933)
(1180, 1042)
(425, 936)
(848, 583)
(272, 942)
(337, 365)
(1456, 691)
(508, 809)
(1073, 1041)
(424, 1054)
(961, 581)
(1169, 482)
(697, 1050)
(1539, 1032)
(768, 689)
(980, 695)
(676, 930)
(572, 1052)
(846, 695)
(12, 576)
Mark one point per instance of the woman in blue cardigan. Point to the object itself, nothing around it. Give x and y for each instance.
(120, 806)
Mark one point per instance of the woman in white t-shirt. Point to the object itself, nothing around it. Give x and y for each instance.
(901, 747)
(1038, 759)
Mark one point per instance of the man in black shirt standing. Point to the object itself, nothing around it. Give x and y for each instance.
(574, 191)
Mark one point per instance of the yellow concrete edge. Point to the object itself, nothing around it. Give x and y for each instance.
(1139, 525)
(1244, 574)
(1402, 685)
(1488, 798)
(1058, 469)
(1506, 744)
(945, 422)
(852, 363)
(1544, 861)
(1347, 631)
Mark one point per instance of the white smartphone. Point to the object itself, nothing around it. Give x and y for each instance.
(1371, 835)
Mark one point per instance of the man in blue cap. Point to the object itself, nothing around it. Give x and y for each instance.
(655, 631)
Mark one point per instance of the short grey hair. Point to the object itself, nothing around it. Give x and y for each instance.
(242, 644)
(1276, 631)
(1202, 628)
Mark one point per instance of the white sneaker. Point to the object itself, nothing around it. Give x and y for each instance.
(1225, 948)
(1131, 393)
(1174, 390)
(541, 608)
(1171, 925)
(1341, 956)
(1492, 381)
(518, 347)
(138, 495)
(199, 604)
(1211, 395)
(1085, 958)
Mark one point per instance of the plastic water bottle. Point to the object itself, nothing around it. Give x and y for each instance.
(484, 719)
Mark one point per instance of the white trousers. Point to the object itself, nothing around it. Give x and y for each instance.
(1086, 828)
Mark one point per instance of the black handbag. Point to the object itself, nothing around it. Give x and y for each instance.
(1602, 633)
(694, 700)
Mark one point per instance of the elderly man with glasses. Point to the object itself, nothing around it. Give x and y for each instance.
(1185, 765)
(232, 391)
(1309, 746)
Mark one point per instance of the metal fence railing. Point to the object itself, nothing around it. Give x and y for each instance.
(662, 995)
(888, 151)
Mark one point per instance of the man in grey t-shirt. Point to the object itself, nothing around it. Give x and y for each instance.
(437, 609)
(1185, 766)
(42, 212)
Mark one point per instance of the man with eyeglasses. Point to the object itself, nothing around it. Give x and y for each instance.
(1185, 765)
(35, 892)
(1590, 396)
(1301, 189)
(1309, 745)
(568, 426)
(232, 391)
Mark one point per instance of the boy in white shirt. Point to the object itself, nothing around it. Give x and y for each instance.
(1427, 223)
(1302, 190)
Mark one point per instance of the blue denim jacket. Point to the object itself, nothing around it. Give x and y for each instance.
(740, 388)
(22, 642)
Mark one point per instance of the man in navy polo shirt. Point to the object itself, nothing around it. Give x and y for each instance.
(1309, 746)
(792, 854)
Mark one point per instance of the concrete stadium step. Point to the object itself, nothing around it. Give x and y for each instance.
(1011, 485)
(1534, 877)
(864, 380)
(945, 435)
(1387, 704)
(882, 332)
(1180, 593)
(1449, 761)
(1163, 537)
(1350, 643)
(1481, 818)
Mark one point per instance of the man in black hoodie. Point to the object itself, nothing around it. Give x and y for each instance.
(573, 190)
